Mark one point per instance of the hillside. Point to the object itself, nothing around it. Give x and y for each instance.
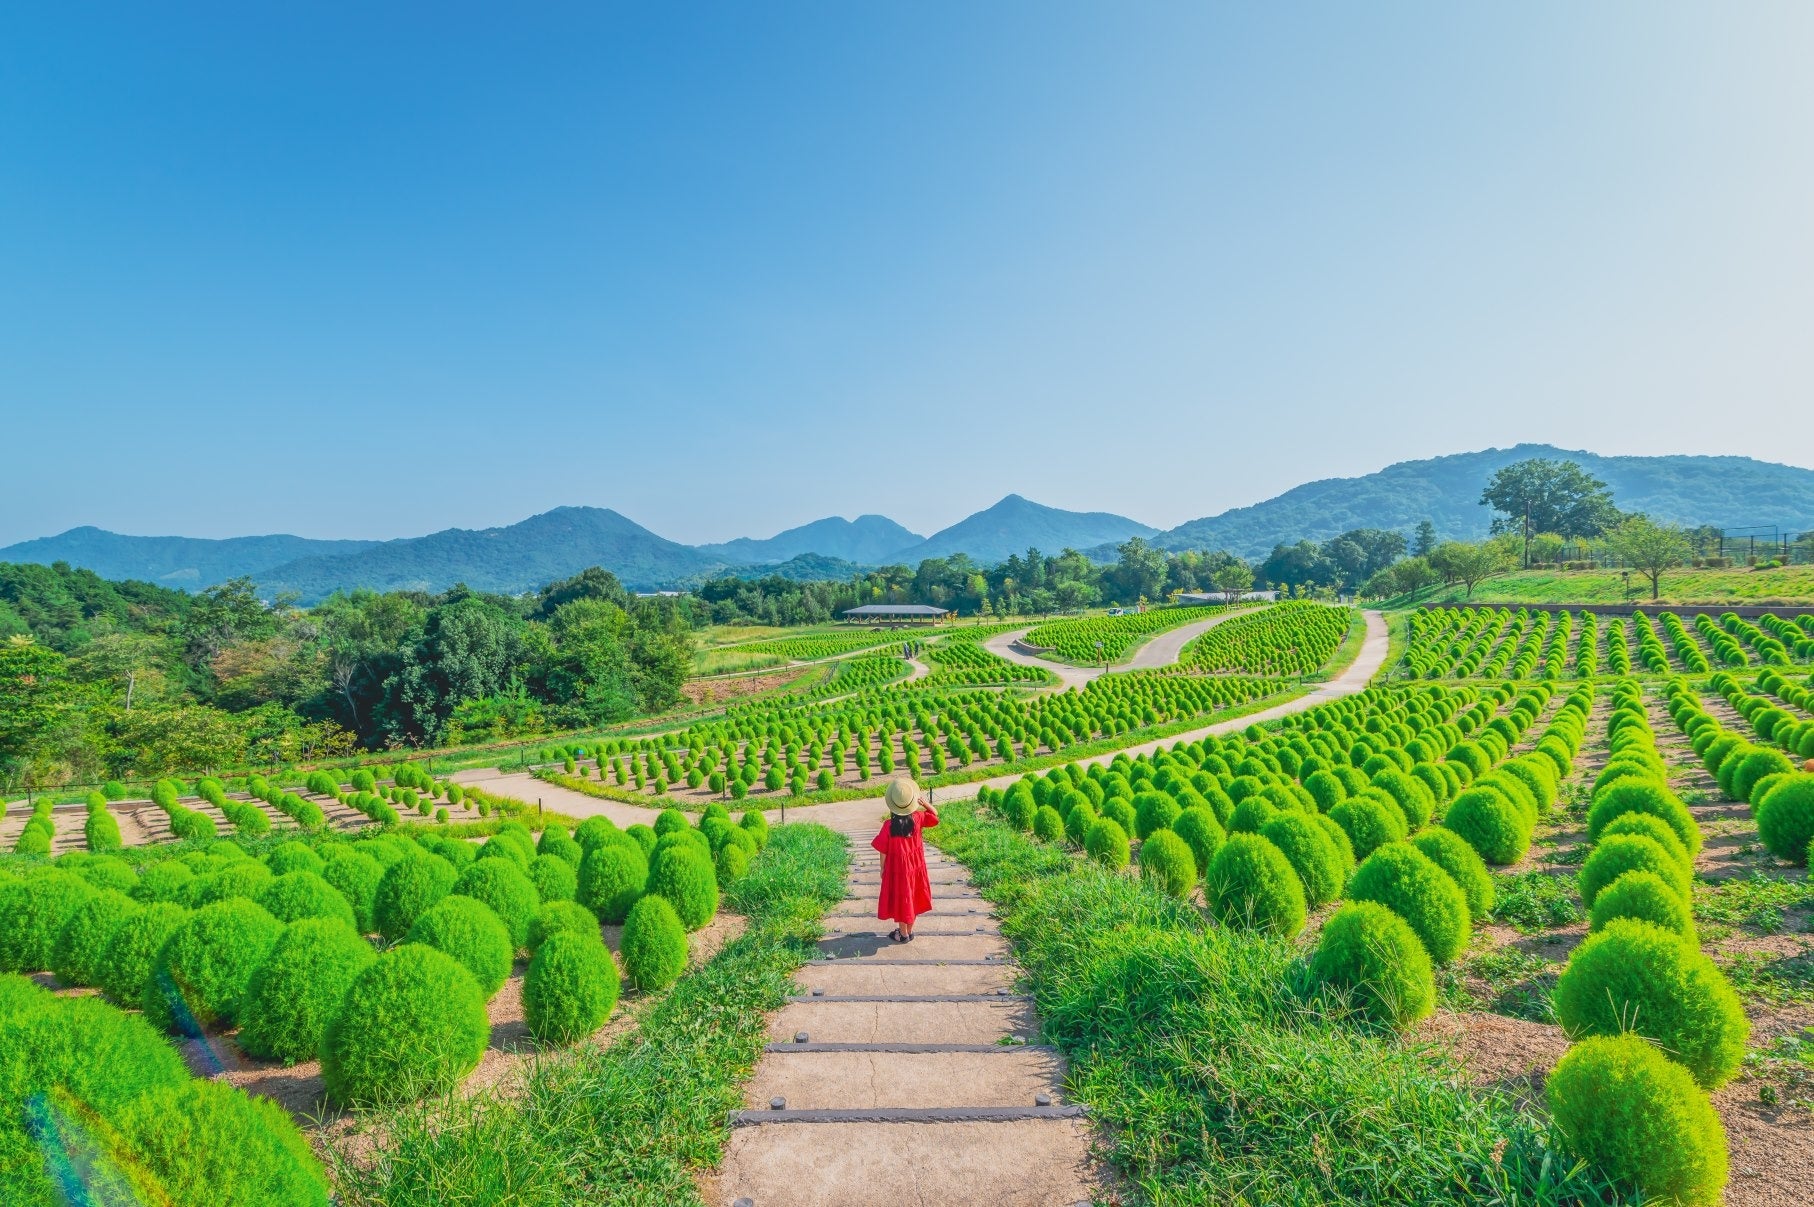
(1783, 585)
(173, 561)
(1727, 491)
(866, 540)
(1015, 524)
(518, 557)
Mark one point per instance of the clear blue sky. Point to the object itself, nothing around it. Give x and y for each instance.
(376, 270)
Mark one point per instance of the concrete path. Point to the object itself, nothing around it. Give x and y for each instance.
(906, 1073)
(1160, 650)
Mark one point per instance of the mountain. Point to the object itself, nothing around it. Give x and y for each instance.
(508, 560)
(1731, 492)
(172, 561)
(1015, 524)
(866, 540)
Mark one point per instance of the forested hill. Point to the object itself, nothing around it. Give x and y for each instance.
(1730, 492)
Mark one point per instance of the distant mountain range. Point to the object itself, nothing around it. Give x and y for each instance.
(1731, 492)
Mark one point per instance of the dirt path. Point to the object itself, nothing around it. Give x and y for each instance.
(906, 1073)
(1162, 649)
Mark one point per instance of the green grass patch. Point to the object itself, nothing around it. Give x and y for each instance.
(1503, 980)
(633, 1123)
(1787, 585)
(1757, 902)
(1215, 1075)
(1533, 902)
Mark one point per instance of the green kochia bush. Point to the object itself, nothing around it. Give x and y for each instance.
(133, 950)
(1411, 885)
(1048, 826)
(1153, 811)
(295, 992)
(553, 877)
(1166, 862)
(33, 913)
(611, 878)
(1647, 897)
(1314, 856)
(294, 856)
(1491, 824)
(207, 1142)
(81, 951)
(297, 895)
(1368, 824)
(413, 1022)
(570, 987)
(1202, 833)
(654, 944)
(408, 887)
(467, 929)
(1633, 976)
(1785, 818)
(1450, 852)
(1106, 843)
(686, 880)
(1374, 954)
(561, 917)
(1616, 854)
(1650, 826)
(201, 976)
(1628, 1109)
(356, 875)
(1624, 796)
(1250, 884)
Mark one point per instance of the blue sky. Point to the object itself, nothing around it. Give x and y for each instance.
(727, 268)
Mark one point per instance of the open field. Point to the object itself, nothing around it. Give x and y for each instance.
(1784, 585)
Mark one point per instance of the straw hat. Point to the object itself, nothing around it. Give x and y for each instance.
(903, 794)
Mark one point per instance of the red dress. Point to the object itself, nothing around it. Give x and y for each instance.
(906, 889)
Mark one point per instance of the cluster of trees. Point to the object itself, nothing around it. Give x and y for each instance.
(102, 679)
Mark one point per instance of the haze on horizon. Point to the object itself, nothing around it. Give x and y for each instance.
(373, 274)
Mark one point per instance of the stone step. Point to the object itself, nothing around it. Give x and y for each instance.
(993, 995)
(968, 1022)
(1021, 1163)
(873, 979)
(878, 948)
(904, 1114)
(968, 924)
(828, 1080)
(948, 911)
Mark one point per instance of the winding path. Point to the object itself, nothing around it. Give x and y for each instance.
(1163, 649)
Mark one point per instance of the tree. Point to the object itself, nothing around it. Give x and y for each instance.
(1424, 542)
(1406, 577)
(1236, 578)
(35, 693)
(1468, 564)
(1140, 574)
(1651, 548)
(1540, 495)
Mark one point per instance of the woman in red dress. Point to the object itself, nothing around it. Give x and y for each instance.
(906, 889)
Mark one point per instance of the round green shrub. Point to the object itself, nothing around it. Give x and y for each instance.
(1252, 813)
(104, 1057)
(297, 895)
(412, 1023)
(1633, 976)
(1374, 954)
(1647, 897)
(1018, 811)
(1048, 826)
(35, 911)
(731, 865)
(553, 877)
(81, 951)
(467, 929)
(1153, 811)
(1250, 884)
(408, 887)
(1785, 818)
(611, 878)
(687, 881)
(107, 872)
(1414, 800)
(1450, 852)
(499, 884)
(644, 837)
(1643, 796)
(1413, 886)
(294, 993)
(1106, 843)
(1757, 765)
(561, 917)
(356, 875)
(593, 831)
(1202, 833)
(1338, 836)
(654, 944)
(1119, 811)
(1368, 824)
(757, 825)
(1077, 823)
(558, 843)
(1649, 825)
(1629, 1110)
(1316, 860)
(670, 821)
(1326, 789)
(201, 975)
(1616, 854)
(570, 987)
(1491, 824)
(133, 950)
(245, 878)
(294, 856)
(166, 881)
(207, 1142)
(1167, 864)
(508, 849)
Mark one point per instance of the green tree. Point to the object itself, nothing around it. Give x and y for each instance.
(1234, 579)
(1469, 563)
(1651, 548)
(1540, 495)
(1424, 542)
(469, 647)
(1140, 572)
(35, 696)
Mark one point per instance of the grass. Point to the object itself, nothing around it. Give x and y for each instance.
(1789, 585)
(1504, 980)
(633, 1123)
(1533, 902)
(1346, 652)
(1213, 1071)
(732, 661)
(1758, 903)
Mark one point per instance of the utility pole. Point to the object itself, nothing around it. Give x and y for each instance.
(1527, 532)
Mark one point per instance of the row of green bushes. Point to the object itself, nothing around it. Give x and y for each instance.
(1294, 638)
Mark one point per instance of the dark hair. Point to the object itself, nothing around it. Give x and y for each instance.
(901, 825)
